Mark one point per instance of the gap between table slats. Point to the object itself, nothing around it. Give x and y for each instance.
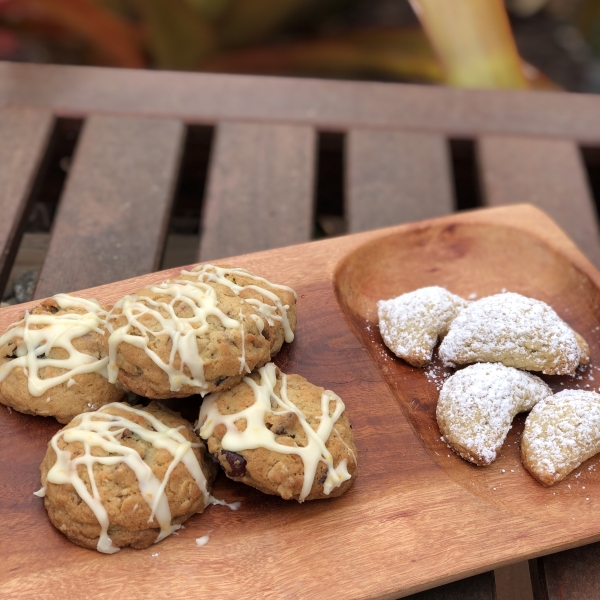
(547, 173)
(260, 189)
(569, 575)
(396, 177)
(113, 214)
(479, 587)
(24, 138)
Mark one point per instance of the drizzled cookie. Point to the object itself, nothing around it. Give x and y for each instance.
(560, 433)
(477, 405)
(281, 435)
(412, 323)
(123, 476)
(275, 304)
(515, 331)
(53, 362)
(197, 333)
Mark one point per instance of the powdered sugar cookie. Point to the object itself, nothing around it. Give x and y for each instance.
(477, 405)
(560, 433)
(516, 331)
(411, 324)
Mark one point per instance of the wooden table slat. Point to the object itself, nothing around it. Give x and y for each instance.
(24, 137)
(210, 97)
(396, 177)
(260, 189)
(547, 173)
(114, 210)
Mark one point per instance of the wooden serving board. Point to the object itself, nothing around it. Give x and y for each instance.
(418, 516)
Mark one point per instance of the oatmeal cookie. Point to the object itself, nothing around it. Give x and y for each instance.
(125, 476)
(274, 303)
(412, 323)
(53, 362)
(560, 433)
(183, 337)
(515, 331)
(281, 435)
(477, 405)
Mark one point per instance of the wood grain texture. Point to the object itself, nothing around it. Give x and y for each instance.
(24, 137)
(413, 520)
(207, 98)
(260, 189)
(547, 173)
(114, 210)
(396, 177)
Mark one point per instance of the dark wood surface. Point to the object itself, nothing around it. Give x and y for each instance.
(261, 179)
(480, 587)
(113, 215)
(568, 575)
(260, 189)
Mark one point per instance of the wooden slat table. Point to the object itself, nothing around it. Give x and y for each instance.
(116, 204)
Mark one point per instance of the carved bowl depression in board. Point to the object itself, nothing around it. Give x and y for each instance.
(474, 260)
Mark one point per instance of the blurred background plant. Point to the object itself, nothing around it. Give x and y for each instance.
(469, 43)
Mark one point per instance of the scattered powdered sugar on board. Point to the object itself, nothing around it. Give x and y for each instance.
(514, 330)
(436, 374)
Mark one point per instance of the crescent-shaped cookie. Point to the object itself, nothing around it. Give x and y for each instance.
(477, 405)
(411, 324)
(515, 331)
(560, 433)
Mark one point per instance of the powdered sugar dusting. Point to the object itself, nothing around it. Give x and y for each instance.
(514, 330)
(477, 405)
(561, 433)
(411, 324)
(436, 374)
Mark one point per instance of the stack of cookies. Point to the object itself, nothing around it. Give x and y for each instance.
(142, 472)
(505, 336)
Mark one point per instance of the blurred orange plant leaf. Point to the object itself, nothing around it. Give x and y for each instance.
(114, 38)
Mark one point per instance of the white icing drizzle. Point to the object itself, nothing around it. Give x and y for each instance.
(202, 541)
(55, 331)
(268, 312)
(243, 364)
(102, 429)
(231, 505)
(200, 297)
(257, 435)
